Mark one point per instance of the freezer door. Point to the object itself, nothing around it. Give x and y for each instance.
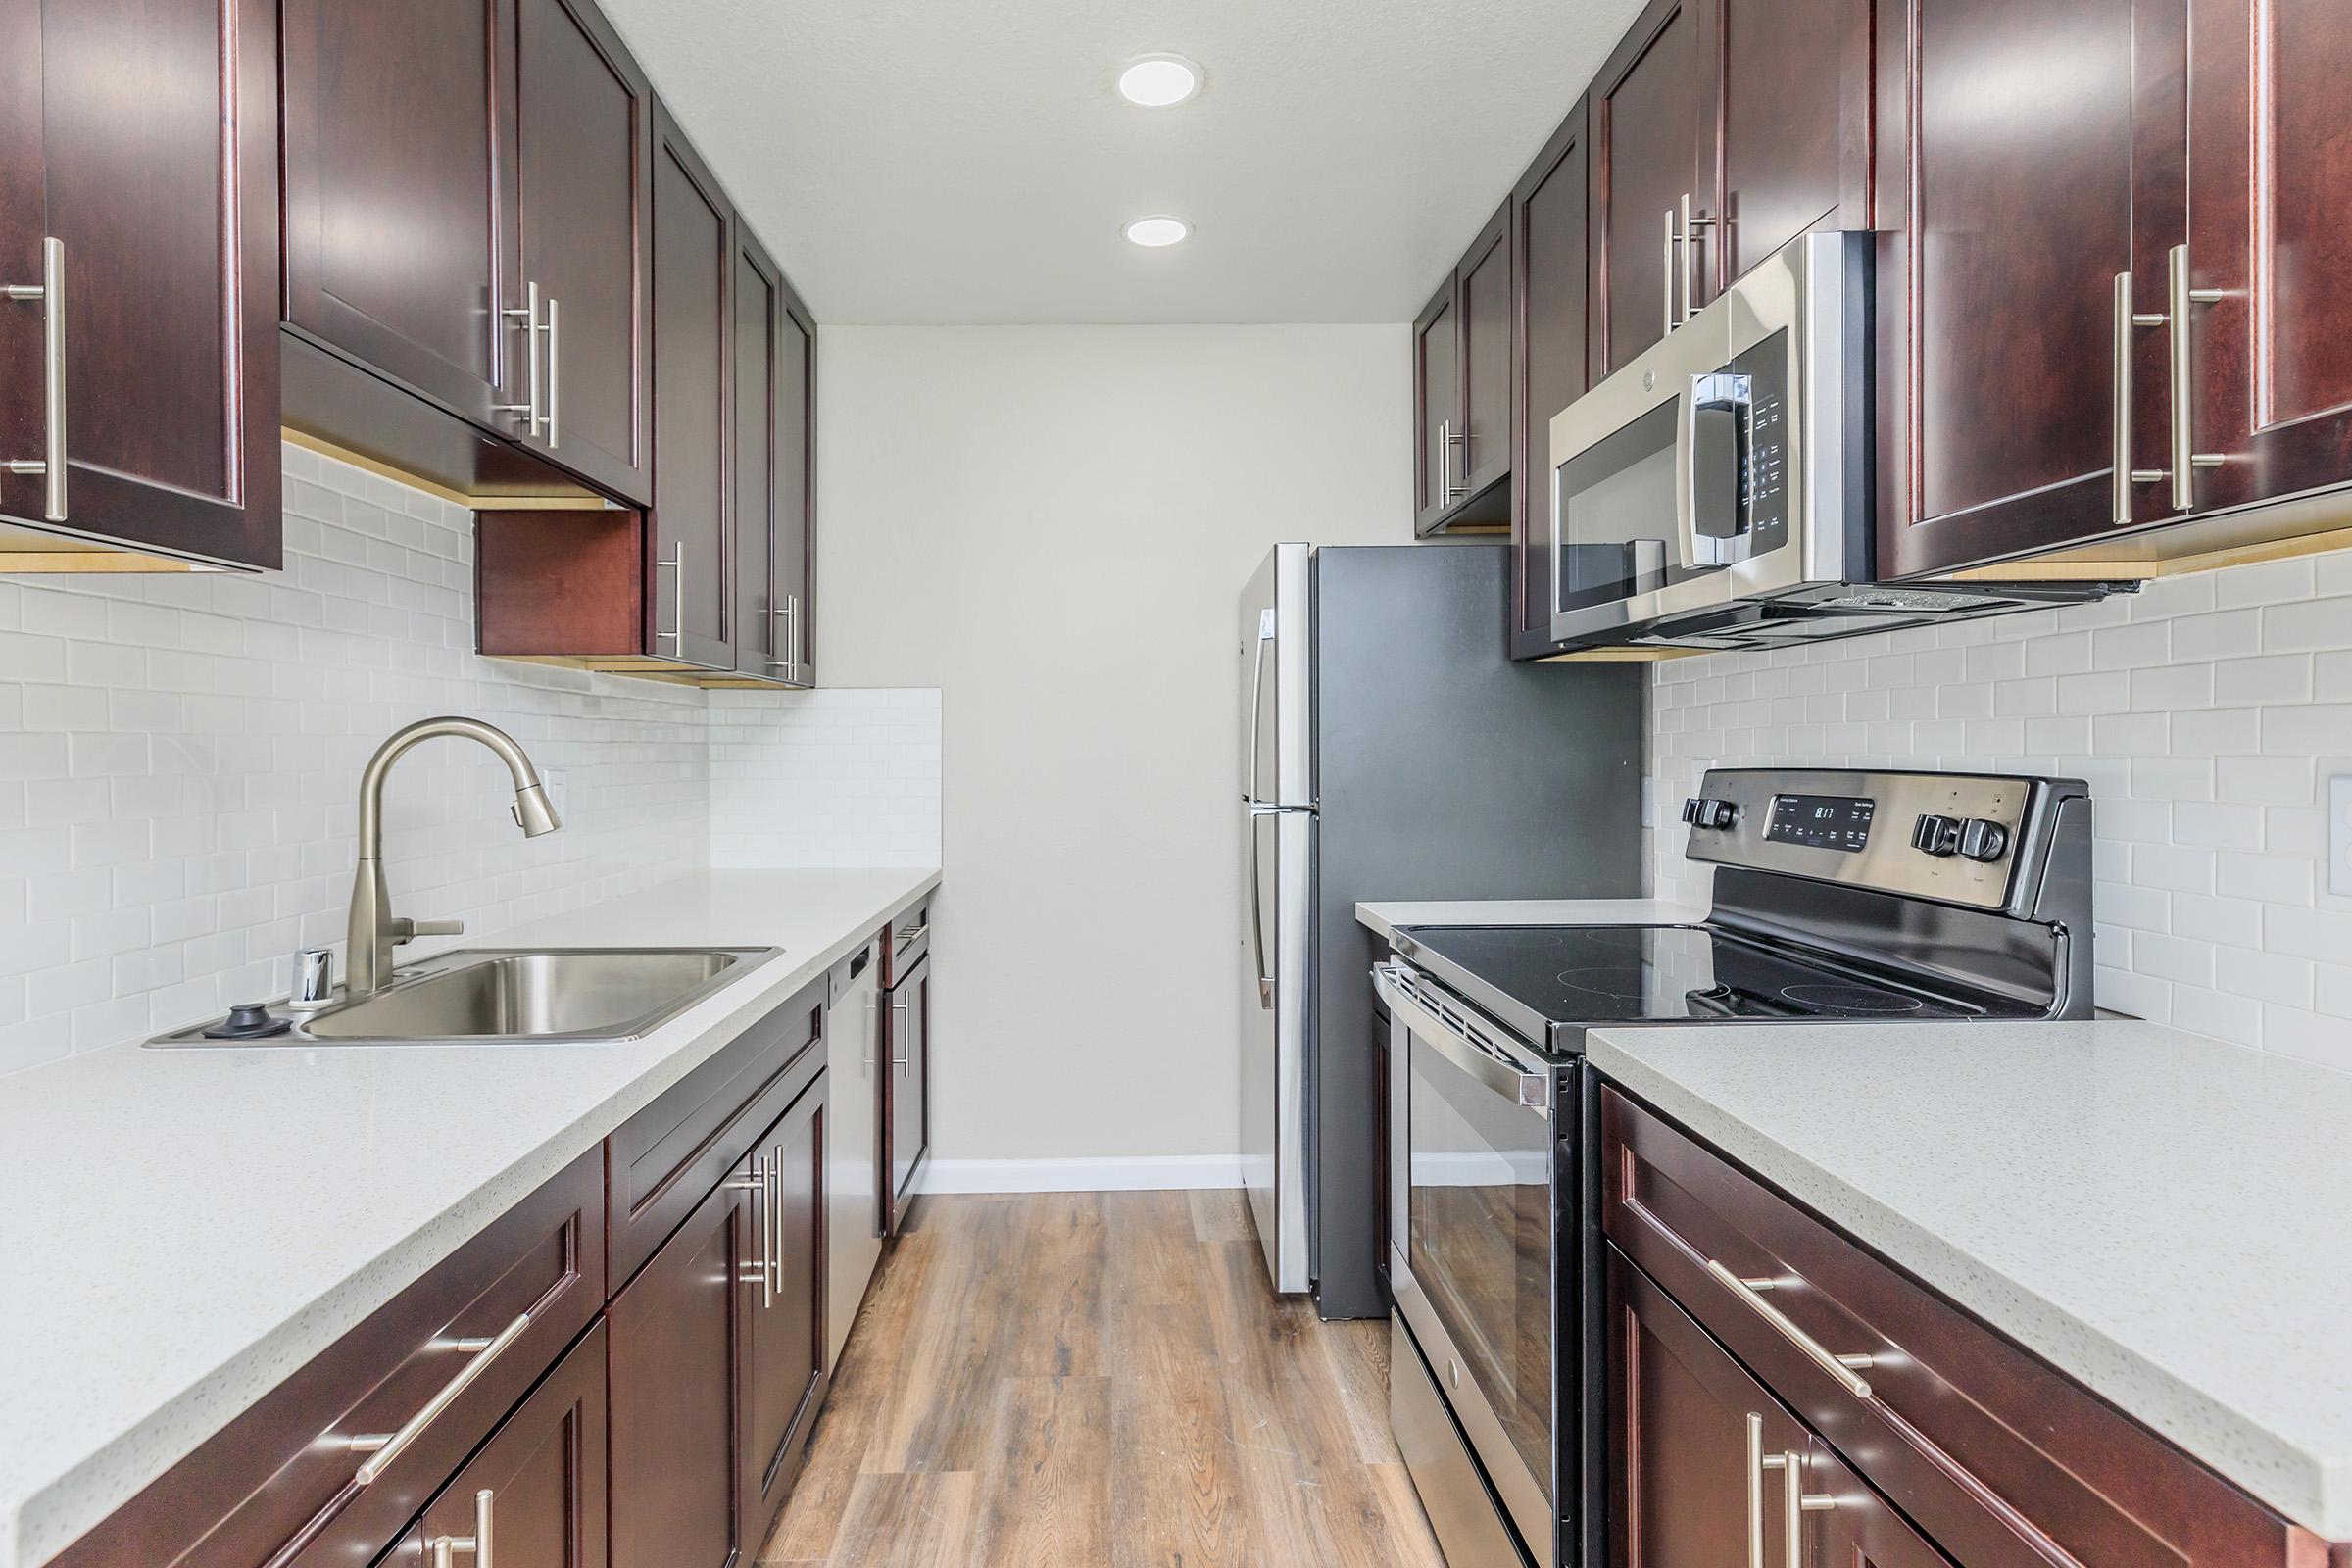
(1275, 1011)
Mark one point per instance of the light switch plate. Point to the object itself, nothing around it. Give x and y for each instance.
(2339, 834)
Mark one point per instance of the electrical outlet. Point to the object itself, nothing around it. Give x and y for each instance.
(557, 795)
(2339, 834)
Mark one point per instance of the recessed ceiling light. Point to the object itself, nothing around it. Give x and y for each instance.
(1158, 231)
(1160, 82)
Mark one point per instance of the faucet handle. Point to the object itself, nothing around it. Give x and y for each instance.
(405, 930)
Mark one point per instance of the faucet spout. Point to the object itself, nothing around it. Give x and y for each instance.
(373, 931)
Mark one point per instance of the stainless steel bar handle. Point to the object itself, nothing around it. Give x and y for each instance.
(555, 377)
(677, 564)
(1755, 1492)
(1691, 227)
(1842, 1368)
(2182, 301)
(1666, 274)
(1499, 1074)
(757, 1184)
(384, 1451)
(446, 1547)
(528, 311)
(1444, 461)
(775, 1221)
(1258, 701)
(1795, 1500)
(50, 294)
(873, 1022)
(898, 1053)
(2120, 454)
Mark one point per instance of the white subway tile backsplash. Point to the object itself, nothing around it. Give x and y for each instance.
(2205, 712)
(825, 778)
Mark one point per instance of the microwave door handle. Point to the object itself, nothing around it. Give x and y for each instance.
(1685, 475)
(1725, 393)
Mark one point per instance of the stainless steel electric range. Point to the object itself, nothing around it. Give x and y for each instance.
(1839, 896)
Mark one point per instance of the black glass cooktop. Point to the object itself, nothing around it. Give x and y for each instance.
(1573, 975)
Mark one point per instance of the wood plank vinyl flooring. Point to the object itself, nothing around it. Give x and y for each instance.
(1099, 1380)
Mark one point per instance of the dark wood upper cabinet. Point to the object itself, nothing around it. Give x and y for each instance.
(1464, 363)
(1650, 121)
(1792, 98)
(141, 137)
(1998, 288)
(1486, 364)
(491, 254)
(759, 608)
(784, 1359)
(399, 225)
(1437, 406)
(1548, 228)
(677, 1390)
(586, 241)
(2271, 150)
(796, 485)
(689, 616)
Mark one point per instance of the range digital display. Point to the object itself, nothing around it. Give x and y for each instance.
(1823, 821)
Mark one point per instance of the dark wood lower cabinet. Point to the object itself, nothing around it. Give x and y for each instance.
(677, 1394)
(537, 1487)
(905, 1090)
(784, 1356)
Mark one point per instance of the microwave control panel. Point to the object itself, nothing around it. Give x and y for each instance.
(1764, 476)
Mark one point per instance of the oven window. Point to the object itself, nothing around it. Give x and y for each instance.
(1616, 503)
(1481, 1246)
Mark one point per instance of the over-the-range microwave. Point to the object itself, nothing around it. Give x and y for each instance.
(1717, 491)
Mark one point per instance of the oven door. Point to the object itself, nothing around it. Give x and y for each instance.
(1473, 1264)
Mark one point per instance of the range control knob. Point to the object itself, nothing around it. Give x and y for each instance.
(1939, 836)
(1981, 840)
(1701, 811)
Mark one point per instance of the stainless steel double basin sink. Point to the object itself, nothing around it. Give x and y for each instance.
(489, 995)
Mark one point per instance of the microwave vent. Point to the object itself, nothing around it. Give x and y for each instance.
(1915, 599)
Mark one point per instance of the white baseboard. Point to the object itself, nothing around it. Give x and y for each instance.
(1141, 1173)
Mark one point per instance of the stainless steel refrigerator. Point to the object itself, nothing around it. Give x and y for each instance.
(1390, 750)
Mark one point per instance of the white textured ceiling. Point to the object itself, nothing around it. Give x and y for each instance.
(969, 161)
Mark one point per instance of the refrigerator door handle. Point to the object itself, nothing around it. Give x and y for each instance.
(1257, 713)
(1257, 917)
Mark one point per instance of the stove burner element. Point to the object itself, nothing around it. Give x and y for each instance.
(1849, 999)
(1615, 984)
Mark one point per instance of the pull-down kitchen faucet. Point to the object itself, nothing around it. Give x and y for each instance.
(374, 932)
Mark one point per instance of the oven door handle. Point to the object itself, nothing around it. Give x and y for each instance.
(1516, 1081)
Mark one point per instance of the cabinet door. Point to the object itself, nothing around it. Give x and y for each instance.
(142, 136)
(2003, 286)
(1859, 1530)
(399, 239)
(688, 606)
(1793, 96)
(1549, 210)
(762, 638)
(2270, 151)
(1649, 124)
(1437, 406)
(1689, 1433)
(795, 483)
(677, 1333)
(784, 1357)
(537, 1487)
(906, 1090)
(1486, 334)
(586, 160)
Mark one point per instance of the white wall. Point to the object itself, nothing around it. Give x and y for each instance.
(1052, 525)
(179, 763)
(2207, 713)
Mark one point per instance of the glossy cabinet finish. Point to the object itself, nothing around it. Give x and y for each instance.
(784, 1356)
(586, 239)
(1485, 283)
(142, 136)
(1548, 213)
(1437, 407)
(1991, 1455)
(689, 616)
(1791, 99)
(795, 561)
(1650, 122)
(539, 1485)
(774, 402)
(362, 166)
(677, 1417)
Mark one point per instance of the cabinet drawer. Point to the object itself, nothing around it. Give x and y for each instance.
(1997, 1456)
(279, 1487)
(664, 1160)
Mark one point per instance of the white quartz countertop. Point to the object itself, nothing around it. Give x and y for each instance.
(2165, 1217)
(1385, 918)
(186, 1227)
